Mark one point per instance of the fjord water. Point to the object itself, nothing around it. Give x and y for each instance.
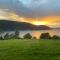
(37, 33)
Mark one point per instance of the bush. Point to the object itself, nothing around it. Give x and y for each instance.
(34, 38)
(1, 38)
(55, 37)
(45, 36)
(28, 36)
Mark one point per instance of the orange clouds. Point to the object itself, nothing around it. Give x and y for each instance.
(53, 21)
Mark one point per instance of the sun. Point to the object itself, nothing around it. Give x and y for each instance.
(39, 23)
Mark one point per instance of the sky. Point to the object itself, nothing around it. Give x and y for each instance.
(37, 12)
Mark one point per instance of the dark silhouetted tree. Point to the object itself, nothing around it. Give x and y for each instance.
(55, 37)
(27, 36)
(11, 36)
(1, 38)
(16, 34)
(45, 36)
(6, 36)
(34, 38)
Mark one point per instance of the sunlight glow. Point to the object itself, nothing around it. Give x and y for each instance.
(39, 23)
(52, 21)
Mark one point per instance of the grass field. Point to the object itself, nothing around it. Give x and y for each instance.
(30, 50)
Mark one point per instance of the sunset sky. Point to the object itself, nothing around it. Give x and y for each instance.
(37, 12)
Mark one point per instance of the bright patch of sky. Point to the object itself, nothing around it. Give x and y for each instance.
(25, 2)
(30, 9)
(33, 2)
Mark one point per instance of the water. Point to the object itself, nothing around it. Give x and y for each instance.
(37, 33)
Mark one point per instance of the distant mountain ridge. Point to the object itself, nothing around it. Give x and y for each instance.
(14, 25)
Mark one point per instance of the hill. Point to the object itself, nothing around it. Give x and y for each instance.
(13, 25)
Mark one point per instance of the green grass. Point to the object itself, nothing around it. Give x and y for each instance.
(29, 49)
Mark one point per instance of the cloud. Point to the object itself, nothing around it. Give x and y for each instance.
(16, 6)
(32, 8)
(28, 11)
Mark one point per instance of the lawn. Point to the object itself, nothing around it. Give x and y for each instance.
(24, 49)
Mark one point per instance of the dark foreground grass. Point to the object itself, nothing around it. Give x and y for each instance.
(29, 50)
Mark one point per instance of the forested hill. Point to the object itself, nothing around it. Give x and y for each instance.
(13, 25)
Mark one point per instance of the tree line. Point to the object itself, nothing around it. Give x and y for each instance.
(27, 36)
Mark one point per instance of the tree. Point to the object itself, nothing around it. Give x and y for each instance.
(55, 37)
(1, 38)
(6, 36)
(16, 34)
(11, 36)
(45, 36)
(28, 36)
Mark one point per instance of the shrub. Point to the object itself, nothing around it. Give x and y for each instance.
(28, 36)
(55, 37)
(34, 38)
(45, 36)
(1, 38)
